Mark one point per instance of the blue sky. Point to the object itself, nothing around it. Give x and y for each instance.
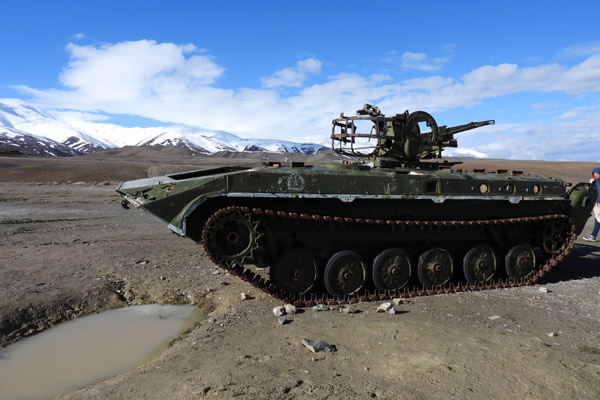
(282, 69)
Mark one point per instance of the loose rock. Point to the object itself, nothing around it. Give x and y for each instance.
(321, 307)
(397, 301)
(316, 347)
(279, 311)
(290, 309)
(386, 307)
(348, 310)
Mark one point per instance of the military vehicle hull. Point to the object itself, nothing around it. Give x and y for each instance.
(352, 229)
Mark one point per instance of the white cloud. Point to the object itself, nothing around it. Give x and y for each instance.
(568, 140)
(541, 106)
(499, 80)
(293, 77)
(576, 112)
(175, 84)
(581, 49)
(380, 77)
(466, 153)
(310, 65)
(133, 70)
(419, 61)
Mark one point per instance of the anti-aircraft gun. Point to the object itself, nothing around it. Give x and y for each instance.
(399, 140)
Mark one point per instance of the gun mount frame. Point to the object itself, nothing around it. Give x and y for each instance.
(405, 137)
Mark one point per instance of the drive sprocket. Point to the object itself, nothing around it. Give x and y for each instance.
(231, 236)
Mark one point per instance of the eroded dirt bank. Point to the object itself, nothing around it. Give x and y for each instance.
(68, 250)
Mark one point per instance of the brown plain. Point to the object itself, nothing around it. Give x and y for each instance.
(68, 249)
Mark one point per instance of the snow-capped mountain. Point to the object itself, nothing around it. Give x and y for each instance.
(34, 131)
(25, 143)
(21, 124)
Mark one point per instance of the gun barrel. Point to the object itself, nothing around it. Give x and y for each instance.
(471, 125)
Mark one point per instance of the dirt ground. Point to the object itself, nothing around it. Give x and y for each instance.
(68, 249)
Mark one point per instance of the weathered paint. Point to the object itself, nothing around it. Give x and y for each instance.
(173, 198)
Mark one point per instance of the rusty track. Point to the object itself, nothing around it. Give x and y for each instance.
(312, 299)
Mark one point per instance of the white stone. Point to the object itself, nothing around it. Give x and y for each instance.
(279, 311)
(385, 307)
(290, 309)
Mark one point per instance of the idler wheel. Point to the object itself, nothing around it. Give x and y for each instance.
(479, 264)
(520, 261)
(554, 236)
(295, 271)
(345, 273)
(435, 267)
(392, 269)
(232, 237)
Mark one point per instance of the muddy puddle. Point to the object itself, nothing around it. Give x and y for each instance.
(85, 351)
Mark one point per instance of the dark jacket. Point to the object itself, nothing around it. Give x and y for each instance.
(597, 183)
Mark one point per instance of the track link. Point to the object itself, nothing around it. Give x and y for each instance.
(308, 300)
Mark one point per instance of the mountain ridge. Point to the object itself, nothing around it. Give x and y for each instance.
(33, 131)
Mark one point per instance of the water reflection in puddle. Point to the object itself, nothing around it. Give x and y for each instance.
(85, 351)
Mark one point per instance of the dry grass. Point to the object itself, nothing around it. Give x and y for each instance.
(593, 345)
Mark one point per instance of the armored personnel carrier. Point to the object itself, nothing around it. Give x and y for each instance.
(389, 220)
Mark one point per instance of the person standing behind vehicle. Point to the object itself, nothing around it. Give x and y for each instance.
(596, 180)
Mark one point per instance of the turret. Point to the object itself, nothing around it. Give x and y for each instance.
(404, 138)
